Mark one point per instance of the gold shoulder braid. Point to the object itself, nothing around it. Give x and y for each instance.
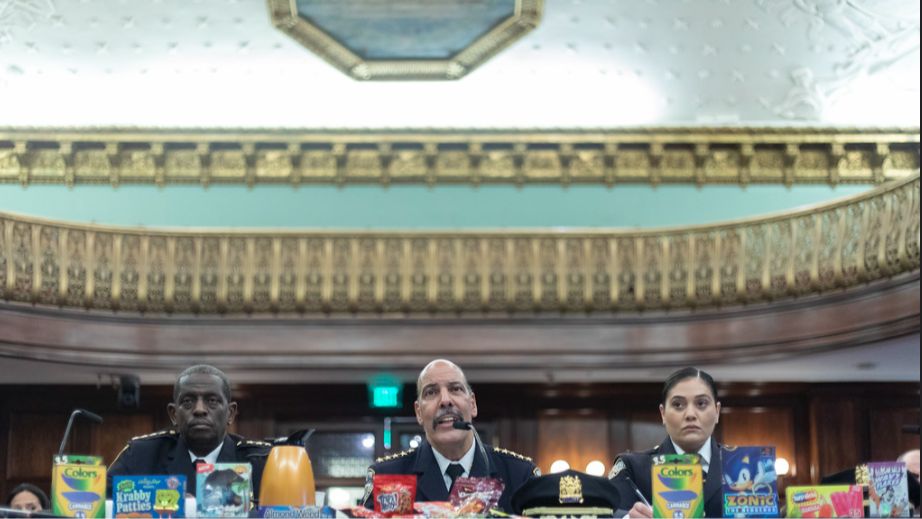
(398, 455)
(253, 443)
(158, 434)
(166, 432)
(513, 454)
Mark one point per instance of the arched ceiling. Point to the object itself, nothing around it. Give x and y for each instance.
(589, 63)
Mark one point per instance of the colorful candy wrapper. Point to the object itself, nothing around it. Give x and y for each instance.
(394, 494)
(435, 509)
(475, 496)
(847, 504)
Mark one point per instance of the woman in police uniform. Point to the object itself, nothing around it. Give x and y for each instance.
(690, 411)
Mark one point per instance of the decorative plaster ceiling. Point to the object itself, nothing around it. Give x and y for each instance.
(590, 63)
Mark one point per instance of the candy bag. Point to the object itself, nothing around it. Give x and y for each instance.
(476, 496)
(394, 494)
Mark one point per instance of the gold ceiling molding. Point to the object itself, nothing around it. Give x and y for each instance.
(828, 248)
(693, 156)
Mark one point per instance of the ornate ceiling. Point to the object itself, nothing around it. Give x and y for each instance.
(214, 68)
(589, 63)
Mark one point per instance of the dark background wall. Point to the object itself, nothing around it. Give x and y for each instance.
(819, 428)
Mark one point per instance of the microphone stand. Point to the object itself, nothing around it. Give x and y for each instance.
(93, 417)
(468, 426)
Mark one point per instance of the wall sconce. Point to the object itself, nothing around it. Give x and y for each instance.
(782, 467)
(595, 468)
(559, 466)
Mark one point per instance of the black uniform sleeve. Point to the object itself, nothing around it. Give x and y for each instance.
(621, 475)
(122, 466)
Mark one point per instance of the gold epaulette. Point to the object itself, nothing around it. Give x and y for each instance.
(513, 454)
(253, 443)
(399, 455)
(158, 434)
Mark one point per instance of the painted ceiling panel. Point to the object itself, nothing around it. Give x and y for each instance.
(406, 29)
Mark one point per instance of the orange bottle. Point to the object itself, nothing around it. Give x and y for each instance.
(288, 479)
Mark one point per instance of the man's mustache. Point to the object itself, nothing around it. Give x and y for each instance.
(442, 414)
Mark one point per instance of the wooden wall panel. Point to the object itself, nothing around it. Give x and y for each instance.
(108, 441)
(838, 438)
(34, 440)
(646, 430)
(761, 426)
(887, 440)
(576, 439)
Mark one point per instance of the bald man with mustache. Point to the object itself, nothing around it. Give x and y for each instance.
(444, 397)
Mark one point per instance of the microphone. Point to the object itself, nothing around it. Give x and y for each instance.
(93, 417)
(468, 426)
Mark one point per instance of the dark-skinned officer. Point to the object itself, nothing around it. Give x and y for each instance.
(201, 411)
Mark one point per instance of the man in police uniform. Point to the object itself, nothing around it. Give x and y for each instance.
(444, 397)
(200, 412)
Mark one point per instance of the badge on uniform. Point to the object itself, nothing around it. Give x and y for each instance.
(571, 490)
(369, 484)
(616, 468)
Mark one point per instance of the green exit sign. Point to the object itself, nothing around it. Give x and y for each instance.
(385, 396)
(384, 392)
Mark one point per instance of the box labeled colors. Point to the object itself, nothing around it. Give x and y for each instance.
(78, 486)
(677, 490)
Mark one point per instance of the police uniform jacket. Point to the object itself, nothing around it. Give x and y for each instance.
(513, 469)
(165, 452)
(638, 467)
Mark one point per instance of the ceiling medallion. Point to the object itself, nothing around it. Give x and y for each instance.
(405, 39)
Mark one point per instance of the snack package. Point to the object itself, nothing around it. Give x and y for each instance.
(888, 488)
(825, 501)
(475, 496)
(435, 509)
(149, 496)
(295, 512)
(394, 494)
(359, 511)
(223, 489)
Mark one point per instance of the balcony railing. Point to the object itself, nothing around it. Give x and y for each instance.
(826, 248)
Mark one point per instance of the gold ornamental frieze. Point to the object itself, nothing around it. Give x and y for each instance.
(828, 248)
(655, 156)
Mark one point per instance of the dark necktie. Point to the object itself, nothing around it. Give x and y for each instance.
(197, 461)
(454, 471)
